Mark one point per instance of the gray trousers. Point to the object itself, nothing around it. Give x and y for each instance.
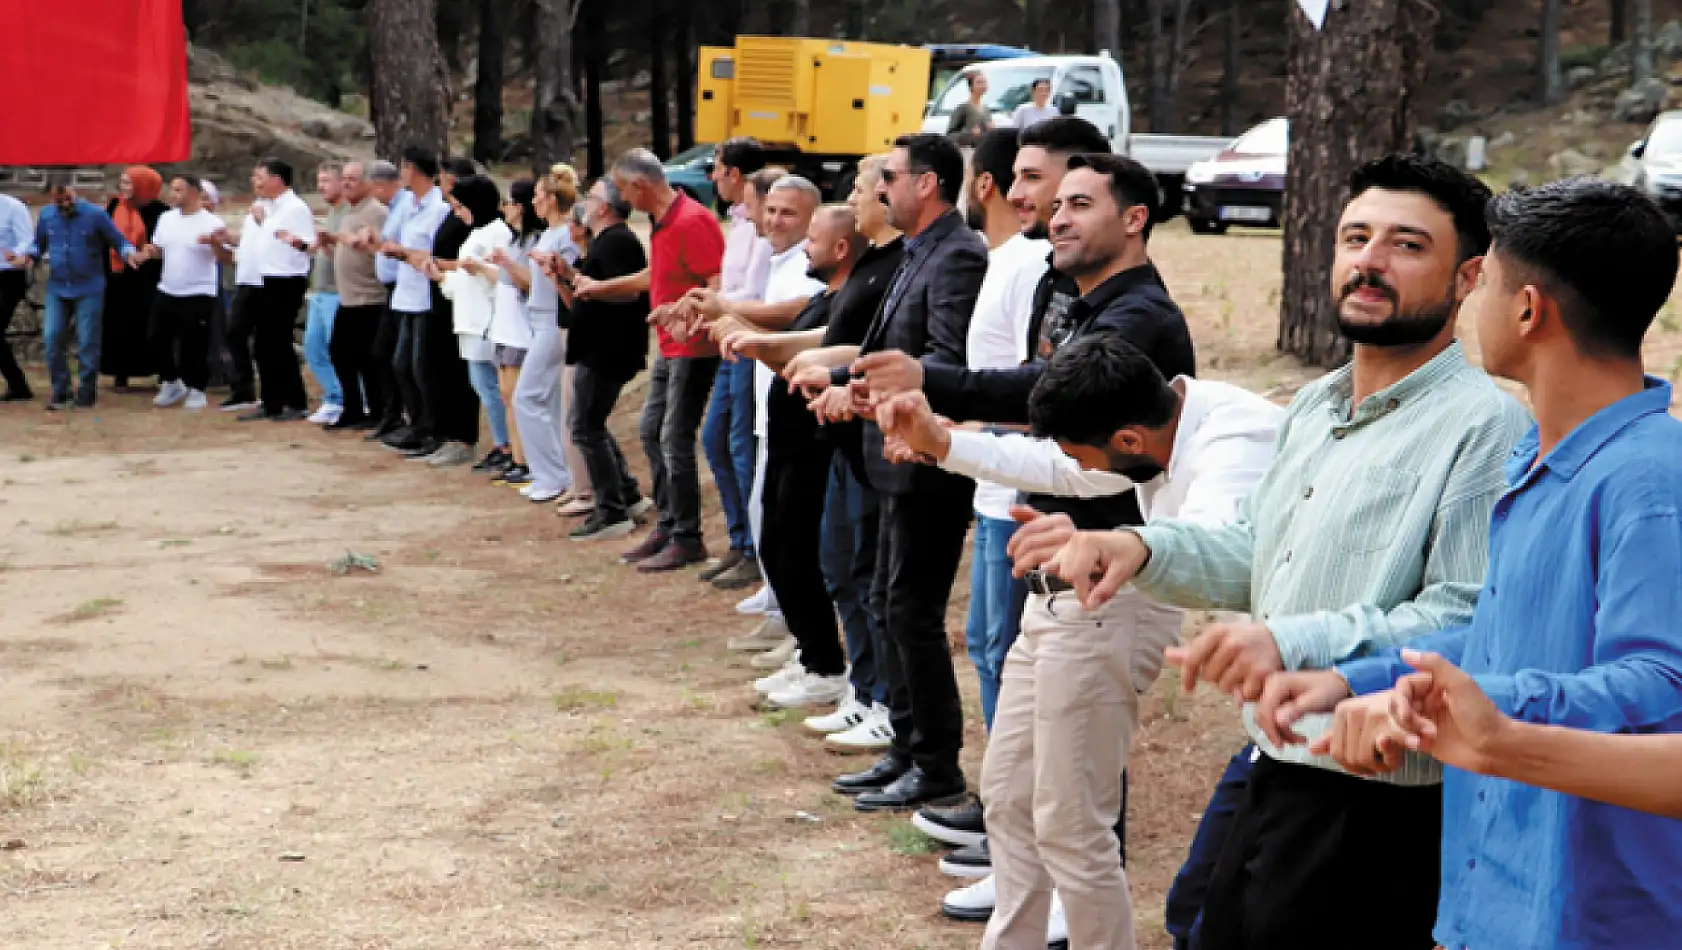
(540, 410)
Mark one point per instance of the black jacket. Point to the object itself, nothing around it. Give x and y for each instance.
(611, 338)
(928, 318)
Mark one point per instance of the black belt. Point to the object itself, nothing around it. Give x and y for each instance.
(1045, 584)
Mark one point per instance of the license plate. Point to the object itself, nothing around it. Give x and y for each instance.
(1245, 213)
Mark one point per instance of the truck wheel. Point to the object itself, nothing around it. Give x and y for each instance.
(1201, 226)
(1170, 198)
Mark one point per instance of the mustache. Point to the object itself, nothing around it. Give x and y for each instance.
(1363, 280)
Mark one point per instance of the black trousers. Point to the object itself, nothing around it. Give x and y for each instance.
(180, 338)
(277, 360)
(242, 322)
(14, 284)
(385, 352)
(790, 551)
(351, 349)
(408, 366)
(594, 394)
(1318, 860)
(453, 401)
(920, 545)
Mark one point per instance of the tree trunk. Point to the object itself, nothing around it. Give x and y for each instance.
(659, 93)
(1033, 23)
(1161, 97)
(799, 17)
(1177, 63)
(683, 88)
(554, 112)
(1641, 50)
(595, 64)
(1106, 27)
(410, 89)
(1619, 27)
(1229, 74)
(487, 86)
(1553, 84)
(1350, 98)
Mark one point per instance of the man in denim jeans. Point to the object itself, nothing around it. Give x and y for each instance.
(324, 297)
(74, 234)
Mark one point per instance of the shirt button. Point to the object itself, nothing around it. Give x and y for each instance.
(1339, 433)
(1480, 796)
(1308, 492)
(1471, 864)
(1393, 404)
(1287, 557)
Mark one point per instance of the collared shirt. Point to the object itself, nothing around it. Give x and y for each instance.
(248, 262)
(402, 206)
(747, 258)
(1222, 448)
(787, 280)
(357, 272)
(686, 251)
(76, 244)
(414, 290)
(275, 257)
(17, 230)
(1577, 627)
(324, 278)
(1027, 114)
(998, 333)
(1369, 530)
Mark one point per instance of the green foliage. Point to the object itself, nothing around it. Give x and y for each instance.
(311, 45)
(1575, 56)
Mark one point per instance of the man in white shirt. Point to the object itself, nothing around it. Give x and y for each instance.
(1106, 421)
(242, 314)
(411, 298)
(188, 239)
(17, 233)
(1033, 113)
(282, 245)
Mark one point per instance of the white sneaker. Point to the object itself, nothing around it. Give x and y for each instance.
(170, 393)
(788, 675)
(195, 400)
(874, 734)
(770, 634)
(757, 602)
(327, 414)
(850, 713)
(1057, 928)
(810, 689)
(973, 903)
(775, 657)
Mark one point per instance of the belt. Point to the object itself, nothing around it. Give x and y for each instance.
(1045, 584)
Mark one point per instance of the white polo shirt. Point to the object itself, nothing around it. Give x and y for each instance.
(276, 258)
(189, 267)
(786, 280)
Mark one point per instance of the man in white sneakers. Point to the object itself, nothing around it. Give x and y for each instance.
(187, 238)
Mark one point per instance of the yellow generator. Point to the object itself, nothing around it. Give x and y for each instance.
(816, 105)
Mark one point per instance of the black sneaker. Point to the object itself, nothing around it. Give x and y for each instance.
(384, 431)
(423, 449)
(17, 395)
(595, 529)
(515, 475)
(238, 402)
(289, 415)
(960, 826)
(972, 862)
(495, 461)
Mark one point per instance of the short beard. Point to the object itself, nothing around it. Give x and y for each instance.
(975, 215)
(1038, 231)
(1405, 328)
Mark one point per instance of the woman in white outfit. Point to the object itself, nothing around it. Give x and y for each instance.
(471, 287)
(511, 327)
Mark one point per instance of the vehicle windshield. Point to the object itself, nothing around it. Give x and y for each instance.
(693, 155)
(1007, 88)
(1269, 138)
(1666, 140)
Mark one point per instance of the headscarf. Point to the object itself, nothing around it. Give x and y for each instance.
(148, 184)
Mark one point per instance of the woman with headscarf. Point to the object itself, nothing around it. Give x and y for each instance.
(510, 328)
(124, 344)
(471, 286)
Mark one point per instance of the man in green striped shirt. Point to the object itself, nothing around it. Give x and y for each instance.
(1370, 529)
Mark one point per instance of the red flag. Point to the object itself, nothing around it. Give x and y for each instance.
(93, 82)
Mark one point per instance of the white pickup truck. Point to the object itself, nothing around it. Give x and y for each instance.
(1096, 86)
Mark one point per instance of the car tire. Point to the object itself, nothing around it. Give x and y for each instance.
(1203, 226)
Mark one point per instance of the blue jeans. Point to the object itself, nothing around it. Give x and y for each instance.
(727, 437)
(996, 600)
(1184, 913)
(318, 333)
(850, 524)
(482, 374)
(86, 311)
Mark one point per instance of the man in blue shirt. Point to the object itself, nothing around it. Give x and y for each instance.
(1577, 622)
(74, 235)
(17, 231)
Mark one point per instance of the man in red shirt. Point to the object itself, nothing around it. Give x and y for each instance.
(686, 252)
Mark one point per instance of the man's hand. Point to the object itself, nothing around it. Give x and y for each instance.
(907, 420)
(725, 326)
(741, 344)
(832, 405)
(1114, 557)
(705, 302)
(1288, 697)
(1443, 713)
(499, 257)
(888, 373)
(1363, 738)
(394, 249)
(1038, 540)
(812, 381)
(1235, 658)
(135, 259)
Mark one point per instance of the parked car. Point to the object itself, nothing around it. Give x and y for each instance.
(691, 173)
(1243, 185)
(1654, 165)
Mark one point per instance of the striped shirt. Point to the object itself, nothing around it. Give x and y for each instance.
(1370, 529)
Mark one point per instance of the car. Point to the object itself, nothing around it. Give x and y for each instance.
(691, 173)
(1654, 165)
(1243, 185)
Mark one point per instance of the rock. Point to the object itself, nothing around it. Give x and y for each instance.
(1616, 62)
(291, 857)
(1580, 76)
(1455, 113)
(1452, 149)
(1667, 42)
(13, 844)
(1571, 164)
(1641, 102)
(204, 66)
(1504, 140)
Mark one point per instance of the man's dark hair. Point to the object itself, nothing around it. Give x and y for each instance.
(424, 160)
(460, 166)
(1604, 252)
(58, 181)
(278, 167)
(1096, 386)
(1064, 135)
(190, 182)
(1455, 191)
(743, 153)
(995, 154)
(1130, 183)
(1042, 81)
(932, 152)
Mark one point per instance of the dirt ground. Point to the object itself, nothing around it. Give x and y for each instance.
(502, 739)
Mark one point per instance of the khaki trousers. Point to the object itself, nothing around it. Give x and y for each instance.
(1067, 712)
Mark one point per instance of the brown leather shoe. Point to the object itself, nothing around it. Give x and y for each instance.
(656, 542)
(674, 556)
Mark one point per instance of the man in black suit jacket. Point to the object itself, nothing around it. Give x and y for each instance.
(925, 512)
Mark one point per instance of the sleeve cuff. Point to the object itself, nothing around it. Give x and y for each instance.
(1503, 692)
(1296, 638)
(1156, 567)
(966, 453)
(1366, 677)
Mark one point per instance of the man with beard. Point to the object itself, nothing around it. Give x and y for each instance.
(1370, 529)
